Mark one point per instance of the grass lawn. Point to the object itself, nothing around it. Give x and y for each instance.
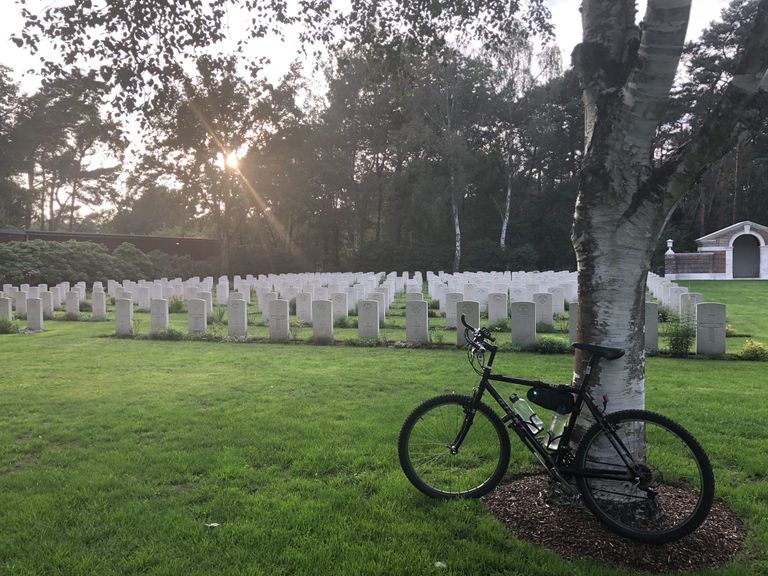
(116, 455)
(746, 306)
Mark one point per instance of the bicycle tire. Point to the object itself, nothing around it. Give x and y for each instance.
(426, 458)
(671, 463)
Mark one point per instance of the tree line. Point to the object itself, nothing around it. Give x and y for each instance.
(409, 159)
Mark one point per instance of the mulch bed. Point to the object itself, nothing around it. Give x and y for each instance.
(527, 508)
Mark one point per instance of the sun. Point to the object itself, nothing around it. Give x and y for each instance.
(232, 160)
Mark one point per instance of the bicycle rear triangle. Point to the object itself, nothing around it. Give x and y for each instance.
(640, 473)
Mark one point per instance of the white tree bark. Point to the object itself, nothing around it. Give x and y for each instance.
(624, 198)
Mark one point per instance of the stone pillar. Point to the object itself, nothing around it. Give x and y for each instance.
(323, 312)
(368, 319)
(416, 322)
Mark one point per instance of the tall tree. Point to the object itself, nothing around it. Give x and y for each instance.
(625, 193)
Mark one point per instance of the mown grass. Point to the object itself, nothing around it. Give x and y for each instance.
(116, 455)
(746, 306)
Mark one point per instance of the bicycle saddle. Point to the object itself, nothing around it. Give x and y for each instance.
(601, 351)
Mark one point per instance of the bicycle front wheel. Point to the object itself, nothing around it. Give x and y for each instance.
(433, 463)
(648, 479)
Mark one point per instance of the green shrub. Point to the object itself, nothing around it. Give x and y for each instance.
(176, 305)
(217, 316)
(167, 334)
(544, 328)
(86, 307)
(363, 342)
(549, 346)
(502, 326)
(730, 332)
(8, 326)
(434, 305)
(680, 337)
(754, 350)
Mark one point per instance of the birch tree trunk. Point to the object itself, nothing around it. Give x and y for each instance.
(507, 208)
(625, 197)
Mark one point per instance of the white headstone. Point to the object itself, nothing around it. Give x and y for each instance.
(278, 320)
(471, 310)
(416, 322)
(543, 301)
(451, 300)
(73, 304)
(340, 310)
(265, 306)
(99, 306)
(20, 302)
(158, 315)
(523, 322)
(322, 320)
(368, 319)
(651, 327)
(237, 318)
(198, 315)
(6, 309)
(35, 314)
(497, 308)
(47, 297)
(710, 329)
(123, 317)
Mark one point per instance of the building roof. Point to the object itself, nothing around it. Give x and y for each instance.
(733, 228)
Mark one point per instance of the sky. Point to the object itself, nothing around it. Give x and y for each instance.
(565, 17)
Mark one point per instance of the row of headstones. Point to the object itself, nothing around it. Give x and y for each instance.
(707, 318)
(40, 308)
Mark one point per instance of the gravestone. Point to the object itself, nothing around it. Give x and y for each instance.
(688, 302)
(99, 306)
(208, 297)
(20, 302)
(368, 319)
(47, 297)
(265, 306)
(523, 321)
(410, 296)
(143, 297)
(543, 301)
(380, 297)
(35, 314)
(710, 329)
(73, 304)
(322, 320)
(651, 327)
(340, 310)
(558, 300)
(123, 317)
(198, 315)
(6, 309)
(304, 307)
(471, 310)
(573, 320)
(278, 320)
(158, 315)
(416, 322)
(451, 300)
(237, 318)
(497, 308)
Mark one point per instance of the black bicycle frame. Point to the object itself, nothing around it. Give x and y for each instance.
(517, 423)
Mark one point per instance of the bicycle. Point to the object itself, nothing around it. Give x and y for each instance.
(640, 473)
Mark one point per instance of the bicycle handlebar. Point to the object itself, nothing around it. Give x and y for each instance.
(480, 333)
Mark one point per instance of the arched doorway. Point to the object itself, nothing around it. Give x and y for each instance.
(746, 257)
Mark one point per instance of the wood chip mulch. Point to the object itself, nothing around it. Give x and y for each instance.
(527, 507)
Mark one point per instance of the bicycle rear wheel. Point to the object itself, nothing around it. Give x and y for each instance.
(428, 461)
(667, 490)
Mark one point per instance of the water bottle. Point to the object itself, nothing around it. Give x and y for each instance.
(556, 428)
(521, 407)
